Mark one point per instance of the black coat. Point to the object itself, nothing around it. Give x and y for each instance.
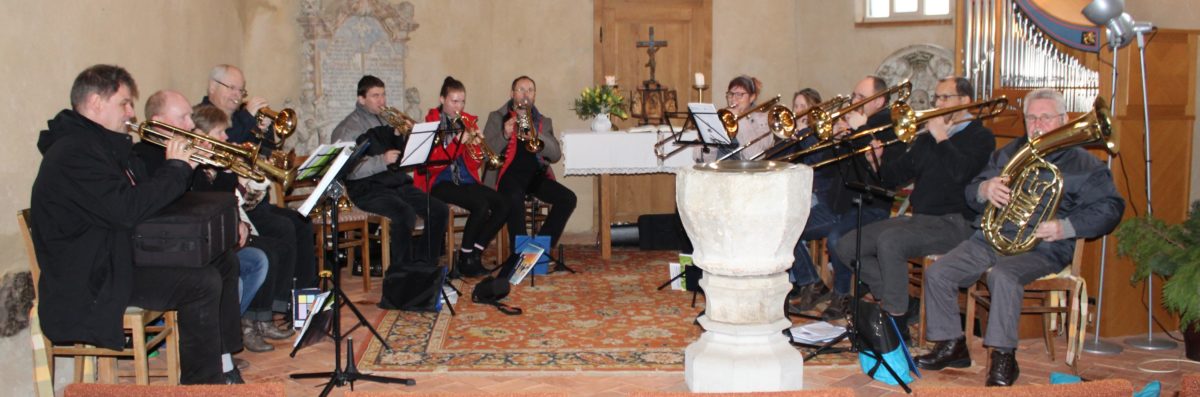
(89, 193)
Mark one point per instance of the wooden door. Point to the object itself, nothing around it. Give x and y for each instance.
(686, 26)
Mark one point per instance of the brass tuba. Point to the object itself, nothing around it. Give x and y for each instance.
(1010, 229)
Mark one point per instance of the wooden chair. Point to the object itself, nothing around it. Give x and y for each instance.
(136, 321)
(353, 229)
(1063, 294)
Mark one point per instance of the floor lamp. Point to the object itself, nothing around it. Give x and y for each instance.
(1121, 30)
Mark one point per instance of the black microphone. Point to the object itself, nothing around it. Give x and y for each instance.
(869, 189)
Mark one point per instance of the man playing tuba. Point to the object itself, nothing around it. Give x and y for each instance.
(1090, 207)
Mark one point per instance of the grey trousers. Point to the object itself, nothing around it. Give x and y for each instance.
(888, 244)
(1006, 282)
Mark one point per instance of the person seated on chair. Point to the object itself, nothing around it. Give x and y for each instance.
(940, 164)
(375, 185)
(172, 108)
(227, 91)
(840, 200)
(276, 277)
(458, 182)
(89, 194)
(1090, 207)
(741, 96)
(513, 132)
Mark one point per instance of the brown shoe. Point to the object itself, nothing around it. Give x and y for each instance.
(252, 340)
(268, 330)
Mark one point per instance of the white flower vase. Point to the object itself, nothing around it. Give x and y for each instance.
(601, 123)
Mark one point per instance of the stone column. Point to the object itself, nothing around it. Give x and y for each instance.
(744, 219)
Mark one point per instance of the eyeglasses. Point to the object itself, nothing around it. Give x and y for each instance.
(939, 97)
(525, 90)
(239, 90)
(1045, 118)
(734, 94)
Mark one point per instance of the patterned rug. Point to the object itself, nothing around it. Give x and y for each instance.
(606, 317)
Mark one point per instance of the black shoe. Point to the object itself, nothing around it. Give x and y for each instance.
(947, 353)
(1003, 370)
(902, 326)
(234, 377)
(839, 305)
(470, 264)
(811, 295)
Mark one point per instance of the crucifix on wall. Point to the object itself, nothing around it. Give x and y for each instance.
(652, 102)
(651, 47)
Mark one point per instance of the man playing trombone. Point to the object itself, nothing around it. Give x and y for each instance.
(939, 163)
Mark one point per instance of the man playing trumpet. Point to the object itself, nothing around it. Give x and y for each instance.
(939, 163)
(453, 176)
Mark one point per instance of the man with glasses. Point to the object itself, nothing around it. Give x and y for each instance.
(525, 172)
(1090, 207)
(297, 266)
(939, 162)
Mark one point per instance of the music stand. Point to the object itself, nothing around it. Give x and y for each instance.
(330, 188)
(857, 342)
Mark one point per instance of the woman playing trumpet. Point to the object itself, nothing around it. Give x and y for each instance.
(453, 176)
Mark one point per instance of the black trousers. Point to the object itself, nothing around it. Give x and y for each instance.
(207, 301)
(291, 252)
(514, 187)
(278, 283)
(489, 210)
(402, 205)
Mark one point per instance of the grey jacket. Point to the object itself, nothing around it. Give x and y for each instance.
(354, 125)
(493, 136)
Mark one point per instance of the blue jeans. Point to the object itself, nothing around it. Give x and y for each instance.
(253, 274)
(822, 222)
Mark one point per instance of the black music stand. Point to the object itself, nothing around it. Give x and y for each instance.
(859, 344)
(331, 189)
(426, 137)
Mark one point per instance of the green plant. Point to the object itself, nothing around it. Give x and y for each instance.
(601, 99)
(1170, 251)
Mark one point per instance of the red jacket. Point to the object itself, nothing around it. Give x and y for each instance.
(444, 155)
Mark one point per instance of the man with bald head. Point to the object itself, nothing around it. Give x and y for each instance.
(168, 107)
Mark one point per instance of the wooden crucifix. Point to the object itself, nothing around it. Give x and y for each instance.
(651, 47)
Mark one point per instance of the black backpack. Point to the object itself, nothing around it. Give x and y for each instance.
(413, 288)
(491, 290)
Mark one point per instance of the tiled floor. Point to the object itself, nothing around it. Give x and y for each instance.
(1035, 368)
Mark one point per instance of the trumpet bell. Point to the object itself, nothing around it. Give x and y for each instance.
(729, 121)
(782, 122)
(283, 122)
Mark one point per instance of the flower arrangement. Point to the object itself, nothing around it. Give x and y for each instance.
(594, 101)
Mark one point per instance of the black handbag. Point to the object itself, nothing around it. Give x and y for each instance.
(192, 231)
(413, 288)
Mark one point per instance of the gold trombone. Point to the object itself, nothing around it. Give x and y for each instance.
(905, 122)
(783, 124)
(730, 120)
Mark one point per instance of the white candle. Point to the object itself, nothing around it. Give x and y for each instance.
(699, 79)
(610, 80)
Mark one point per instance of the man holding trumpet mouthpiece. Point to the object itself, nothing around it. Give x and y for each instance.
(89, 194)
(939, 162)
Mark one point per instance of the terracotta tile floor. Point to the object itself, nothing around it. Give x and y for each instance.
(1035, 368)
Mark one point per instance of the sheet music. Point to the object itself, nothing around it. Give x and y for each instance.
(711, 129)
(330, 174)
(420, 143)
(319, 159)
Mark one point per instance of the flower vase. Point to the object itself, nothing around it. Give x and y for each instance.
(601, 122)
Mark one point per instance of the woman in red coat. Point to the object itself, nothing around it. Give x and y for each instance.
(453, 176)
